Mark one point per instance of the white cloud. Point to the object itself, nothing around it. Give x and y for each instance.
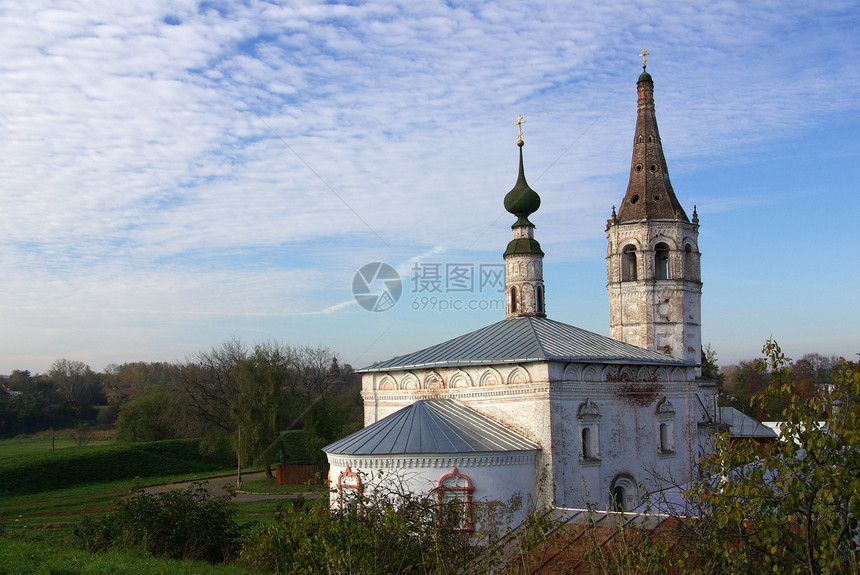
(153, 150)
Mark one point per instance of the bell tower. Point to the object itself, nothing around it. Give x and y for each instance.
(652, 263)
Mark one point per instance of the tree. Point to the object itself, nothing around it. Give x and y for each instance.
(250, 396)
(210, 382)
(121, 383)
(710, 368)
(795, 509)
(77, 383)
(743, 382)
(259, 402)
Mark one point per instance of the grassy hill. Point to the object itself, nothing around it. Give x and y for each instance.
(25, 470)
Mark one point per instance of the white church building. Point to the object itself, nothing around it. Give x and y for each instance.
(535, 408)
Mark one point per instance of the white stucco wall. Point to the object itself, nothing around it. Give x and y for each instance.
(495, 477)
(540, 401)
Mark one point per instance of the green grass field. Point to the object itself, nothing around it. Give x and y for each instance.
(34, 558)
(45, 492)
(27, 469)
(25, 446)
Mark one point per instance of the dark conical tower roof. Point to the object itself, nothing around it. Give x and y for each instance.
(649, 192)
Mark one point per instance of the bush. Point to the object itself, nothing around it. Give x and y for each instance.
(389, 535)
(178, 524)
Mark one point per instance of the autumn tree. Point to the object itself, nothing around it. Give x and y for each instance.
(796, 508)
(76, 382)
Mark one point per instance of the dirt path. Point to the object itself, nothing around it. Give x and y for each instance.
(216, 486)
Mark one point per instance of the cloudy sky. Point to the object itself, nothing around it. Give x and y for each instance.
(175, 173)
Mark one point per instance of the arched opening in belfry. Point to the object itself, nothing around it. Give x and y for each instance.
(689, 263)
(661, 261)
(513, 300)
(628, 264)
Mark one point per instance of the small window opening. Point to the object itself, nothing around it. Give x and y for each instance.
(661, 261)
(513, 300)
(539, 299)
(628, 264)
(664, 437)
(638, 168)
(634, 198)
(653, 167)
(650, 139)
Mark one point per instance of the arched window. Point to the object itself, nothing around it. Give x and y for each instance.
(661, 261)
(539, 297)
(349, 489)
(665, 428)
(689, 263)
(624, 494)
(513, 300)
(454, 497)
(618, 497)
(586, 443)
(628, 264)
(588, 415)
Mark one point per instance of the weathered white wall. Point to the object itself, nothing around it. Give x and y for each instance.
(495, 477)
(540, 401)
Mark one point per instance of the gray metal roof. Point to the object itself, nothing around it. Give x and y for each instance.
(524, 339)
(431, 426)
(741, 425)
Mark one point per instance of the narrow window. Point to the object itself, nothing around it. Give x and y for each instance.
(661, 261)
(540, 299)
(664, 437)
(628, 264)
(513, 300)
(586, 443)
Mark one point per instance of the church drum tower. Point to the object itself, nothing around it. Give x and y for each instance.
(652, 263)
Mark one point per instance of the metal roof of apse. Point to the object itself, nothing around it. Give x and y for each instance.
(524, 339)
(431, 426)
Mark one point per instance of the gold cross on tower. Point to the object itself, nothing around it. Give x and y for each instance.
(519, 124)
(644, 59)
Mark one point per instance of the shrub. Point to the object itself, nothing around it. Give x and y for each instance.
(179, 524)
(389, 535)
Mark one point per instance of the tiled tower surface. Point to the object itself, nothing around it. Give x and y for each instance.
(653, 260)
(524, 289)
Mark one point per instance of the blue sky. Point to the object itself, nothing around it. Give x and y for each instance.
(175, 173)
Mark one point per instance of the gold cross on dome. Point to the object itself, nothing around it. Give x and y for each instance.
(644, 59)
(519, 124)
